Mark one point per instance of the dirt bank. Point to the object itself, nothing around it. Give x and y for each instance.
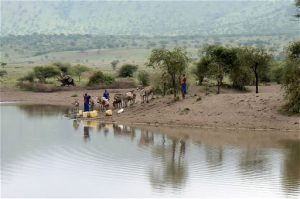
(228, 110)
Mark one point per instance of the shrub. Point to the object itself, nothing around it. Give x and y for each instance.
(127, 70)
(291, 78)
(291, 83)
(38, 87)
(3, 73)
(144, 78)
(277, 75)
(99, 78)
(29, 77)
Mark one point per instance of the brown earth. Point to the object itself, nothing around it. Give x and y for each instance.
(228, 110)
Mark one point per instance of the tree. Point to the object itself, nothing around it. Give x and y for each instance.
(3, 64)
(3, 73)
(79, 70)
(44, 72)
(63, 67)
(171, 62)
(201, 69)
(239, 74)
(127, 70)
(291, 78)
(257, 60)
(219, 60)
(114, 64)
(297, 3)
(144, 78)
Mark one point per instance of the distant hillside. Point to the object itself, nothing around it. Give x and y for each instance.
(148, 18)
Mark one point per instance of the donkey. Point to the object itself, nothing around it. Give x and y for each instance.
(145, 92)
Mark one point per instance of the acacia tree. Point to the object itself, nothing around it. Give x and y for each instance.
(44, 72)
(171, 62)
(114, 64)
(257, 60)
(79, 70)
(219, 61)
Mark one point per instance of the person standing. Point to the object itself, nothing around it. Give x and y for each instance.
(183, 86)
(86, 99)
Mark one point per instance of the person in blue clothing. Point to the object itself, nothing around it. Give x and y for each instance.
(106, 95)
(86, 99)
(183, 86)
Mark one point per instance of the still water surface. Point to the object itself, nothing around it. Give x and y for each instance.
(44, 154)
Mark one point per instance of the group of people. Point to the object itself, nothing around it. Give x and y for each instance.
(89, 103)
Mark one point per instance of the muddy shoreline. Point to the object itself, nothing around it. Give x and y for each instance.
(230, 110)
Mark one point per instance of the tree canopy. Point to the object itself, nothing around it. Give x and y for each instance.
(171, 62)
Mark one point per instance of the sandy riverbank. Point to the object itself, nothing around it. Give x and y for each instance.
(228, 110)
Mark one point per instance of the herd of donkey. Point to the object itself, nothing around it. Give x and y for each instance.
(120, 100)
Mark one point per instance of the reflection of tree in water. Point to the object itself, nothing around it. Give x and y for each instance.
(42, 110)
(291, 167)
(214, 155)
(146, 138)
(172, 171)
(253, 159)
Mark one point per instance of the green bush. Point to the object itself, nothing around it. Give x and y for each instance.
(144, 78)
(291, 78)
(99, 78)
(63, 67)
(3, 73)
(291, 83)
(29, 77)
(127, 70)
(44, 72)
(277, 75)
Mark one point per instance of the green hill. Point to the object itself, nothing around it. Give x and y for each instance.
(148, 18)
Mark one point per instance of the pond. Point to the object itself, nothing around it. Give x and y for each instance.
(44, 154)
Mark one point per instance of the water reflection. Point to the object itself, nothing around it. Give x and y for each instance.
(45, 154)
(291, 167)
(172, 170)
(86, 133)
(42, 110)
(253, 160)
(213, 156)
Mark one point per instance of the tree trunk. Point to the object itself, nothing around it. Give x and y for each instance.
(219, 83)
(256, 81)
(174, 86)
(79, 78)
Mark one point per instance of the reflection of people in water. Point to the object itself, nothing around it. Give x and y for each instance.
(75, 124)
(86, 133)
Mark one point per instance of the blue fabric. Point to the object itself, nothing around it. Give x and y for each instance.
(86, 107)
(183, 88)
(106, 95)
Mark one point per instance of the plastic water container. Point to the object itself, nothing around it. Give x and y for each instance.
(93, 113)
(108, 113)
(80, 112)
(85, 114)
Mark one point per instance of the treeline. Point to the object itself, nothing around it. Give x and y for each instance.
(240, 66)
(39, 44)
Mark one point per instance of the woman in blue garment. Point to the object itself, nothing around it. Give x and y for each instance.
(183, 86)
(86, 99)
